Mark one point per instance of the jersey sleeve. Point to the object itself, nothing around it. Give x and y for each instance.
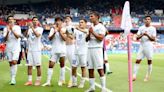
(51, 32)
(102, 30)
(154, 33)
(139, 31)
(19, 30)
(41, 31)
(4, 32)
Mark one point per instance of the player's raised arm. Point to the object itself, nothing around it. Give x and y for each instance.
(97, 36)
(139, 34)
(17, 33)
(6, 33)
(63, 33)
(52, 33)
(151, 37)
(70, 35)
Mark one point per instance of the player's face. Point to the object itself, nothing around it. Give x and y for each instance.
(68, 20)
(59, 23)
(147, 21)
(82, 24)
(35, 21)
(93, 18)
(11, 20)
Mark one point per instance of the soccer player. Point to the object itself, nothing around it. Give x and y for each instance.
(12, 34)
(95, 53)
(23, 50)
(34, 51)
(146, 34)
(80, 52)
(105, 57)
(58, 37)
(70, 44)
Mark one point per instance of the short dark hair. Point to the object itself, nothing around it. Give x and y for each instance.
(84, 20)
(58, 19)
(9, 17)
(96, 14)
(68, 16)
(34, 18)
(147, 17)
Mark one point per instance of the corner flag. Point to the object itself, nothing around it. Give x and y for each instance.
(126, 24)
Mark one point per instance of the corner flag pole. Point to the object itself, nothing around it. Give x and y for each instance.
(126, 24)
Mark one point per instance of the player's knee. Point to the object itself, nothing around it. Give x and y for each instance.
(62, 64)
(149, 62)
(51, 65)
(138, 61)
(101, 72)
(13, 62)
(105, 61)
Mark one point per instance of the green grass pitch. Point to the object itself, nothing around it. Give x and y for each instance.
(117, 82)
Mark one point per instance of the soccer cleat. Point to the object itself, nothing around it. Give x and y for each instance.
(29, 83)
(73, 85)
(13, 82)
(108, 72)
(90, 90)
(60, 82)
(134, 78)
(37, 83)
(69, 83)
(81, 85)
(46, 84)
(146, 79)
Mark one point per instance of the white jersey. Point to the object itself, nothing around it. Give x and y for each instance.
(144, 39)
(13, 44)
(70, 29)
(80, 43)
(93, 42)
(58, 44)
(34, 43)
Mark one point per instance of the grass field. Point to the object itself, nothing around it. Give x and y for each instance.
(117, 82)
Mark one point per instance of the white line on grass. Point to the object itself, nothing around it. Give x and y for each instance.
(98, 85)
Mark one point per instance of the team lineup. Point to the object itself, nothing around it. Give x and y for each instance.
(81, 45)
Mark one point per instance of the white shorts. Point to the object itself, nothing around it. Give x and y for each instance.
(95, 58)
(81, 60)
(56, 56)
(71, 53)
(145, 52)
(13, 55)
(34, 58)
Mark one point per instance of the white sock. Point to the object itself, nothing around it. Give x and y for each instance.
(149, 70)
(29, 77)
(62, 73)
(74, 79)
(83, 80)
(136, 67)
(49, 74)
(92, 82)
(13, 72)
(107, 67)
(103, 81)
(38, 78)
